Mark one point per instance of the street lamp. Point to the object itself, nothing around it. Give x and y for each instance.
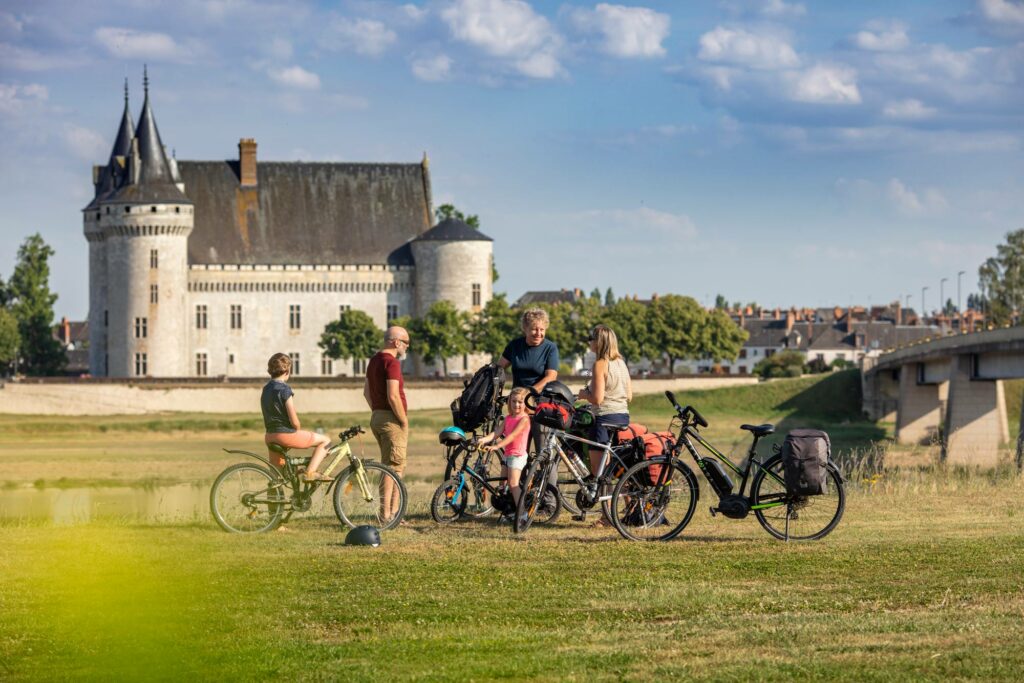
(923, 290)
(942, 300)
(959, 311)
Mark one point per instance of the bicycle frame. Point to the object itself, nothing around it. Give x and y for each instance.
(553, 443)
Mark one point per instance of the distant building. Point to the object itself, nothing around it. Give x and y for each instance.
(74, 339)
(203, 268)
(560, 296)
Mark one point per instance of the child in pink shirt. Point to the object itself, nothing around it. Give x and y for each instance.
(512, 436)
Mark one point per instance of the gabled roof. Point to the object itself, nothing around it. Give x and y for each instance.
(308, 213)
(547, 297)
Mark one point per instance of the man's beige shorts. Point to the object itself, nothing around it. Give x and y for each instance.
(391, 437)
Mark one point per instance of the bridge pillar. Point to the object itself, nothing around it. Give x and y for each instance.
(919, 412)
(881, 392)
(976, 425)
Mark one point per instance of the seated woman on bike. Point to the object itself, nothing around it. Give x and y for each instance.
(609, 389)
(512, 436)
(281, 420)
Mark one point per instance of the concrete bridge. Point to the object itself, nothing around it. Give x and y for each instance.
(949, 390)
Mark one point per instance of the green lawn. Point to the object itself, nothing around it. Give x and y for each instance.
(921, 580)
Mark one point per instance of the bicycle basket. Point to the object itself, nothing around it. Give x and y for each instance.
(554, 414)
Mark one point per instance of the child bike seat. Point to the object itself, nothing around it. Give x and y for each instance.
(759, 430)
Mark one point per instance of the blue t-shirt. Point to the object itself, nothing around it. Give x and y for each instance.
(275, 417)
(529, 363)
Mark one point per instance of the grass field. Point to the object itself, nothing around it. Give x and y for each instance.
(921, 580)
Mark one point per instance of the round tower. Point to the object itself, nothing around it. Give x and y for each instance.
(453, 263)
(144, 224)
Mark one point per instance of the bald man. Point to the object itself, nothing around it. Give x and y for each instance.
(384, 391)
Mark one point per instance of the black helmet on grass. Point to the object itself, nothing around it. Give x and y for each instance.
(363, 535)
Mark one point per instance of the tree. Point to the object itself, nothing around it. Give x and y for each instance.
(975, 302)
(1001, 279)
(446, 211)
(10, 340)
(788, 363)
(352, 335)
(32, 306)
(628, 318)
(722, 338)
(441, 333)
(721, 303)
(676, 323)
(609, 297)
(950, 308)
(595, 294)
(494, 327)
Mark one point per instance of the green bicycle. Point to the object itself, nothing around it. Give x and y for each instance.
(254, 498)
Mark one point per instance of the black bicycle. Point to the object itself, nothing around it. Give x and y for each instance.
(655, 499)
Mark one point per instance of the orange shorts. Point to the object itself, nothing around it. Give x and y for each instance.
(297, 439)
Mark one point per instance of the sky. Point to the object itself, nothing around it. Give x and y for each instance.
(783, 153)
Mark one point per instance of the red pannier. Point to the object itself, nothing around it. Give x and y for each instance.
(553, 415)
(657, 444)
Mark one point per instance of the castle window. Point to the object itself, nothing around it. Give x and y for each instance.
(201, 364)
(154, 259)
(476, 295)
(108, 210)
(294, 355)
(201, 316)
(141, 328)
(127, 209)
(154, 294)
(326, 366)
(106, 318)
(231, 359)
(236, 316)
(141, 365)
(152, 209)
(295, 317)
(342, 308)
(392, 312)
(177, 209)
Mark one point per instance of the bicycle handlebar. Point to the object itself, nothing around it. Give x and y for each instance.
(688, 411)
(351, 432)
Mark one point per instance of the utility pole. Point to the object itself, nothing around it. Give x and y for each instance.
(923, 290)
(959, 311)
(942, 299)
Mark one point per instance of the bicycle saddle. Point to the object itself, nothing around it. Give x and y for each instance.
(759, 430)
(278, 449)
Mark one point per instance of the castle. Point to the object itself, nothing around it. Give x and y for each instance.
(206, 268)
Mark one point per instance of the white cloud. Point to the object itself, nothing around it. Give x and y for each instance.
(738, 46)
(908, 110)
(882, 37)
(508, 29)
(126, 43)
(1002, 11)
(364, 36)
(781, 10)
(15, 98)
(414, 13)
(627, 31)
(85, 143)
(432, 69)
(295, 77)
(826, 84)
(640, 224)
(911, 203)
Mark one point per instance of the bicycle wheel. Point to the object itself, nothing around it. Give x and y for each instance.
(356, 506)
(805, 517)
(247, 499)
(649, 504)
(450, 500)
(532, 486)
(479, 502)
(568, 487)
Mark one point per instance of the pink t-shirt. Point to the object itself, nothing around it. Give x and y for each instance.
(517, 446)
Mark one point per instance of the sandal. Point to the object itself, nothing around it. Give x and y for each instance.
(316, 477)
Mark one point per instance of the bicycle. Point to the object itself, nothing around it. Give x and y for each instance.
(473, 486)
(655, 499)
(488, 463)
(253, 498)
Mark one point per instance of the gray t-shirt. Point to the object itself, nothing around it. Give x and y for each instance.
(275, 417)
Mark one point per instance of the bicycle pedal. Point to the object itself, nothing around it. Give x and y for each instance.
(582, 517)
(713, 511)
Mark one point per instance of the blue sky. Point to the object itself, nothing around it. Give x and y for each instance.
(788, 153)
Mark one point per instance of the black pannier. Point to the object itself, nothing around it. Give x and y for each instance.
(805, 455)
(478, 401)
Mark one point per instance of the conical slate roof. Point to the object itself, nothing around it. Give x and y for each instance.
(125, 132)
(453, 230)
(112, 175)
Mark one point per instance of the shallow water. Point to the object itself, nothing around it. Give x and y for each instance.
(77, 505)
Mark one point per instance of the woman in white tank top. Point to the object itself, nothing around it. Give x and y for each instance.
(609, 389)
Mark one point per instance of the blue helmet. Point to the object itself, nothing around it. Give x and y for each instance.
(451, 436)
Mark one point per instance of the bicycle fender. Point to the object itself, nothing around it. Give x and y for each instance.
(265, 461)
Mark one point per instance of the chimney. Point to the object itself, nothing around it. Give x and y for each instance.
(790, 319)
(776, 314)
(247, 162)
(760, 314)
(65, 331)
(849, 320)
(899, 313)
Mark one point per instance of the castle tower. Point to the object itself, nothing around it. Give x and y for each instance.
(140, 278)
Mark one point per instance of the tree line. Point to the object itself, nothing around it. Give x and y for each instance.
(673, 327)
(27, 344)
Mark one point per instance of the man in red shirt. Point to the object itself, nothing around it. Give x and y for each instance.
(384, 391)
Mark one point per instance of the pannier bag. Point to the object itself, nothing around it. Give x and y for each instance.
(656, 444)
(472, 408)
(554, 414)
(805, 454)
